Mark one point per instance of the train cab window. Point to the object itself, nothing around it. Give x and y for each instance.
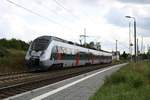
(40, 44)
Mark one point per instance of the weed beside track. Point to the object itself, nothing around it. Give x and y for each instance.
(131, 82)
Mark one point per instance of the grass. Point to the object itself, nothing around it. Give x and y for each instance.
(131, 82)
(12, 61)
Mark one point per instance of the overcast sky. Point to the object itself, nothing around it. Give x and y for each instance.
(104, 20)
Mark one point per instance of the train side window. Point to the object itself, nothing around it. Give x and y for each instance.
(53, 53)
(54, 49)
(60, 49)
(63, 49)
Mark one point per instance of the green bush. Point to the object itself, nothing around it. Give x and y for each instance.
(148, 74)
(135, 79)
(116, 78)
(137, 82)
(3, 52)
(13, 61)
(132, 77)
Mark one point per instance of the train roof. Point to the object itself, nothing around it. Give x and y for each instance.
(50, 38)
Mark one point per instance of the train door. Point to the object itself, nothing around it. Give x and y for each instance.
(59, 55)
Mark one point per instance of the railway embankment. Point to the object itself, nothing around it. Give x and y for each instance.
(131, 82)
(12, 60)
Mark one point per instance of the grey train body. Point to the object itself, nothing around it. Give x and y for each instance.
(48, 51)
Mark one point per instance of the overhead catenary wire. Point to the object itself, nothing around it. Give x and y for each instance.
(45, 17)
(31, 11)
(53, 12)
(63, 17)
(67, 10)
(38, 14)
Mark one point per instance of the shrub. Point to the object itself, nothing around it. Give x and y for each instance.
(13, 61)
(116, 78)
(137, 83)
(148, 74)
(3, 52)
(135, 80)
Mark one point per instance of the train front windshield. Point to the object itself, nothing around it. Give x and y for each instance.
(40, 44)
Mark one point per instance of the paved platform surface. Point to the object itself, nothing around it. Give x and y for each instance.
(77, 88)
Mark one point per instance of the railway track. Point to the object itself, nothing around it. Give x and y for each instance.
(29, 81)
(14, 73)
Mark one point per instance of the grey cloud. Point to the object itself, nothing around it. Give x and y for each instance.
(144, 22)
(144, 33)
(136, 1)
(117, 18)
(122, 46)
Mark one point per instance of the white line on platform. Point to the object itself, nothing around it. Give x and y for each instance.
(40, 97)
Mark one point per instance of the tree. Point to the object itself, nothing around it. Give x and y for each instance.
(93, 45)
(124, 55)
(13, 43)
(98, 46)
(90, 45)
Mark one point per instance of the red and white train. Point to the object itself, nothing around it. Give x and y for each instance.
(48, 51)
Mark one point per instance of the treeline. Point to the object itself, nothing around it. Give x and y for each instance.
(141, 56)
(92, 45)
(13, 44)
